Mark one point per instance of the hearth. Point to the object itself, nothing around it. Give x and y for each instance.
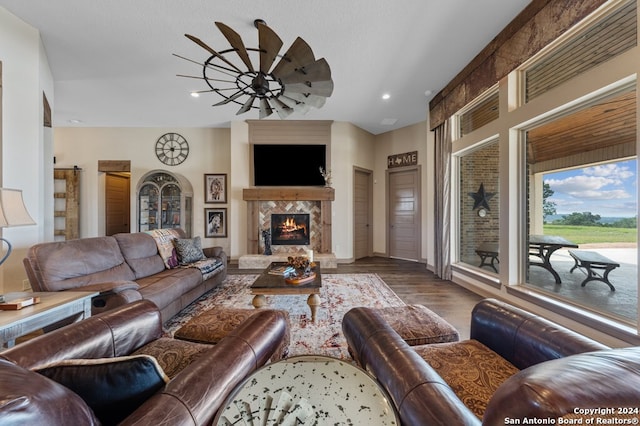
(290, 229)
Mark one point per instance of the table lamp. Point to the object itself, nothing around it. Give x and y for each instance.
(12, 213)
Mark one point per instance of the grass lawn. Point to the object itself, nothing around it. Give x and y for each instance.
(592, 234)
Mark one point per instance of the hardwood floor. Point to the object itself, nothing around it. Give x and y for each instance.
(414, 284)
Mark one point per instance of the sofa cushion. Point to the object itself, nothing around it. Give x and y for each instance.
(471, 369)
(141, 253)
(112, 387)
(173, 355)
(189, 250)
(71, 264)
(28, 398)
(169, 285)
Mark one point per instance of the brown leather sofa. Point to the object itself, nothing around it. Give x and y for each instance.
(201, 376)
(515, 366)
(122, 268)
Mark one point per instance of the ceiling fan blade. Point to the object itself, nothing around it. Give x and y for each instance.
(230, 98)
(202, 44)
(247, 105)
(298, 55)
(281, 108)
(270, 45)
(311, 100)
(236, 42)
(320, 88)
(315, 71)
(288, 101)
(265, 108)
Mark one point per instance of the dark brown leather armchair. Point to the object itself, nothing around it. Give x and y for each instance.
(560, 370)
(194, 393)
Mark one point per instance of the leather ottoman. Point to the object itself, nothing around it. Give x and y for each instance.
(212, 325)
(418, 325)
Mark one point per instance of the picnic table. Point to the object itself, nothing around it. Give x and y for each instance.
(543, 246)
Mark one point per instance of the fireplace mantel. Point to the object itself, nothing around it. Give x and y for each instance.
(302, 193)
(254, 196)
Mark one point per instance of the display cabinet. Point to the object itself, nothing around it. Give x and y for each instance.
(165, 200)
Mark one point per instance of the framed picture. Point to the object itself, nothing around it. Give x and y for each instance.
(215, 223)
(215, 188)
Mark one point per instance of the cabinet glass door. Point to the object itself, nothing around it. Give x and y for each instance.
(171, 206)
(148, 201)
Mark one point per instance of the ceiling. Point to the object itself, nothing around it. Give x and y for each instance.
(113, 66)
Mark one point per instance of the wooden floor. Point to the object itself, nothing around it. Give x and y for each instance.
(414, 284)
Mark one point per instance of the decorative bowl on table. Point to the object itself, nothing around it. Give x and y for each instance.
(303, 272)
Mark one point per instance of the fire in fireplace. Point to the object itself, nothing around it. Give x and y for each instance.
(290, 229)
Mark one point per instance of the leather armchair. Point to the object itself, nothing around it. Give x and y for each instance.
(191, 397)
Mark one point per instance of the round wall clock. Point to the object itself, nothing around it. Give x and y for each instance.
(172, 149)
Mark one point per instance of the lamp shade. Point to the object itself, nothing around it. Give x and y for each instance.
(12, 209)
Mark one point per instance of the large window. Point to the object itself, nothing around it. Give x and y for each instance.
(479, 216)
(558, 152)
(582, 206)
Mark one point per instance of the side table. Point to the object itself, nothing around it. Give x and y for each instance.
(309, 389)
(53, 307)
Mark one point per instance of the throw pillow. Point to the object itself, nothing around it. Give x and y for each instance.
(189, 250)
(112, 387)
(164, 240)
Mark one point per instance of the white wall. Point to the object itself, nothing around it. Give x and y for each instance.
(26, 144)
(209, 152)
(407, 139)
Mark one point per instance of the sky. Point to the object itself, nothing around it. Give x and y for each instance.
(606, 189)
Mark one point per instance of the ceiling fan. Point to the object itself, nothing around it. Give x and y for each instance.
(296, 83)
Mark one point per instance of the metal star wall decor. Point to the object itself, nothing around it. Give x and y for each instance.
(481, 198)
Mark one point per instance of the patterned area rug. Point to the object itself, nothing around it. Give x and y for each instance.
(339, 293)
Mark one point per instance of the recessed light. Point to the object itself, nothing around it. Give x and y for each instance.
(386, 96)
(195, 94)
(389, 121)
(75, 121)
(428, 92)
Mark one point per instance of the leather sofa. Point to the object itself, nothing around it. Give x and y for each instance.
(122, 268)
(200, 376)
(516, 368)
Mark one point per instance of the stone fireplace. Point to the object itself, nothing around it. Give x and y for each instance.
(265, 202)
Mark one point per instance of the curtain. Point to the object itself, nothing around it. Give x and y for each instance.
(442, 203)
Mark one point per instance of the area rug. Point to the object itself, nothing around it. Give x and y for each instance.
(339, 293)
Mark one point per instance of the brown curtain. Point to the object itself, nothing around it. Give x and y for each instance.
(442, 224)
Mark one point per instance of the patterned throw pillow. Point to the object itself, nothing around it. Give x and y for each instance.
(164, 240)
(189, 250)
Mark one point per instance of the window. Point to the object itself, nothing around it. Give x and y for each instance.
(479, 215)
(582, 202)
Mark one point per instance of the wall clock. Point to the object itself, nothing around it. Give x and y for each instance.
(172, 149)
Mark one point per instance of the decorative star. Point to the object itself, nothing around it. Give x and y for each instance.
(481, 198)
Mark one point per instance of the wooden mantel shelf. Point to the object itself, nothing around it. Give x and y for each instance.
(302, 193)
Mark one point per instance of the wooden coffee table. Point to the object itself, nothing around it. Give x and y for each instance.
(269, 284)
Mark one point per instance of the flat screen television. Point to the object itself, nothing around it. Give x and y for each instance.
(288, 165)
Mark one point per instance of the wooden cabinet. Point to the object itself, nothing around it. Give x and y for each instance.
(165, 200)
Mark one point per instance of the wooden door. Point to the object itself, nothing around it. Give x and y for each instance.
(404, 214)
(362, 214)
(66, 203)
(117, 203)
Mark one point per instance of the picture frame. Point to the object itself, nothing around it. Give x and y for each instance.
(215, 223)
(215, 188)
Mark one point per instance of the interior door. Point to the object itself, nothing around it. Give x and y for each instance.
(404, 214)
(117, 203)
(363, 214)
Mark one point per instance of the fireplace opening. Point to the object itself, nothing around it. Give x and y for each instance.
(290, 229)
